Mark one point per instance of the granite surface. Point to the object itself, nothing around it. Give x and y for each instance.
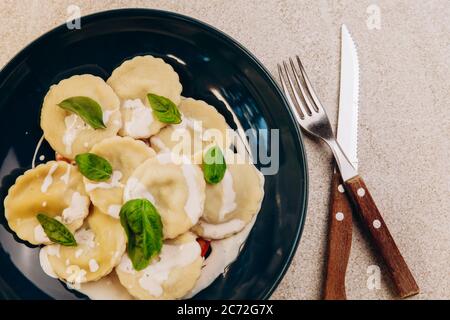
(404, 132)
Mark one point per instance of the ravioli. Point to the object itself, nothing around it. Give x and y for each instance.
(55, 189)
(124, 154)
(132, 81)
(233, 202)
(170, 276)
(66, 132)
(201, 126)
(175, 187)
(101, 242)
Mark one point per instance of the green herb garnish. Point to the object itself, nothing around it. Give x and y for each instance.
(143, 226)
(87, 109)
(214, 165)
(56, 231)
(165, 110)
(93, 167)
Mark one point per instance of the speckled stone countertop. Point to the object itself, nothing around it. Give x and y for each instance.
(404, 131)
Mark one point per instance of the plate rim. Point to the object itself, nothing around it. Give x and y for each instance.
(15, 61)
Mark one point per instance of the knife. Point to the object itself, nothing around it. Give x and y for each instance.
(340, 219)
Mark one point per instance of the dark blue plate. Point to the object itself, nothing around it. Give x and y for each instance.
(213, 67)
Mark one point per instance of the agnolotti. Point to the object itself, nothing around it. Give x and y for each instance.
(101, 243)
(231, 204)
(174, 186)
(132, 81)
(202, 125)
(69, 134)
(55, 189)
(125, 155)
(169, 276)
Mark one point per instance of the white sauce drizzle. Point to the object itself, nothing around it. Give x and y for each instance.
(40, 235)
(93, 265)
(114, 210)
(38, 146)
(171, 256)
(66, 176)
(141, 119)
(76, 276)
(220, 230)
(115, 183)
(53, 250)
(45, 263)
(78, 208)
(194, 203)
(85, 236)
(126, 265)
(191, 123)
(78, 253)
(74, 125)
(107, 115)
(228, 196)
(49, 179)
(134, 189)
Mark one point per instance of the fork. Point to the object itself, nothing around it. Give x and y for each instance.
(312, 117)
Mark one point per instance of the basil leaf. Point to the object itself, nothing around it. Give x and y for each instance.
(165, 110)
(143, 226)
(88, 110)
(56, 231)
(214, 165)
(93, 167)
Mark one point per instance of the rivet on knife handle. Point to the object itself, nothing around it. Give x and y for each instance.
(401, 275)
(339, 241)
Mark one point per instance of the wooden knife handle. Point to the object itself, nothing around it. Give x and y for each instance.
(398, 269)
(339, 241)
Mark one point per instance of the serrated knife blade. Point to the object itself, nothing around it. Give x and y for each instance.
(347, 128)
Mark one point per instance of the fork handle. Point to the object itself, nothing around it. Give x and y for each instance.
(339, 241)
(398, 269)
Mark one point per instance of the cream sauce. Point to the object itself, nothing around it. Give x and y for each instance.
(66, 176)
(45, 263)
(78, 208)
(171, 256)
(74, 125)
(115, 183)
(114, 210)
(217, 231)
(48, 180)
(228, 196)
(134, 189)
(39, 235)
(138, 125)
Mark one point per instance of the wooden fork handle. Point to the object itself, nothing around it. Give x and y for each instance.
(398, 269)
(339, 241)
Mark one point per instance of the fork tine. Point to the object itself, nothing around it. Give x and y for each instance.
(317, 105)
(304, 89)
(295, 108)
(305, 96)
(298, 100)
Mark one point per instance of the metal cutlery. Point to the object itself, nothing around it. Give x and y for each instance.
(312, 117)
(340, 218)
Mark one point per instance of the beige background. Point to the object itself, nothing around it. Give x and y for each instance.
(404, 130)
